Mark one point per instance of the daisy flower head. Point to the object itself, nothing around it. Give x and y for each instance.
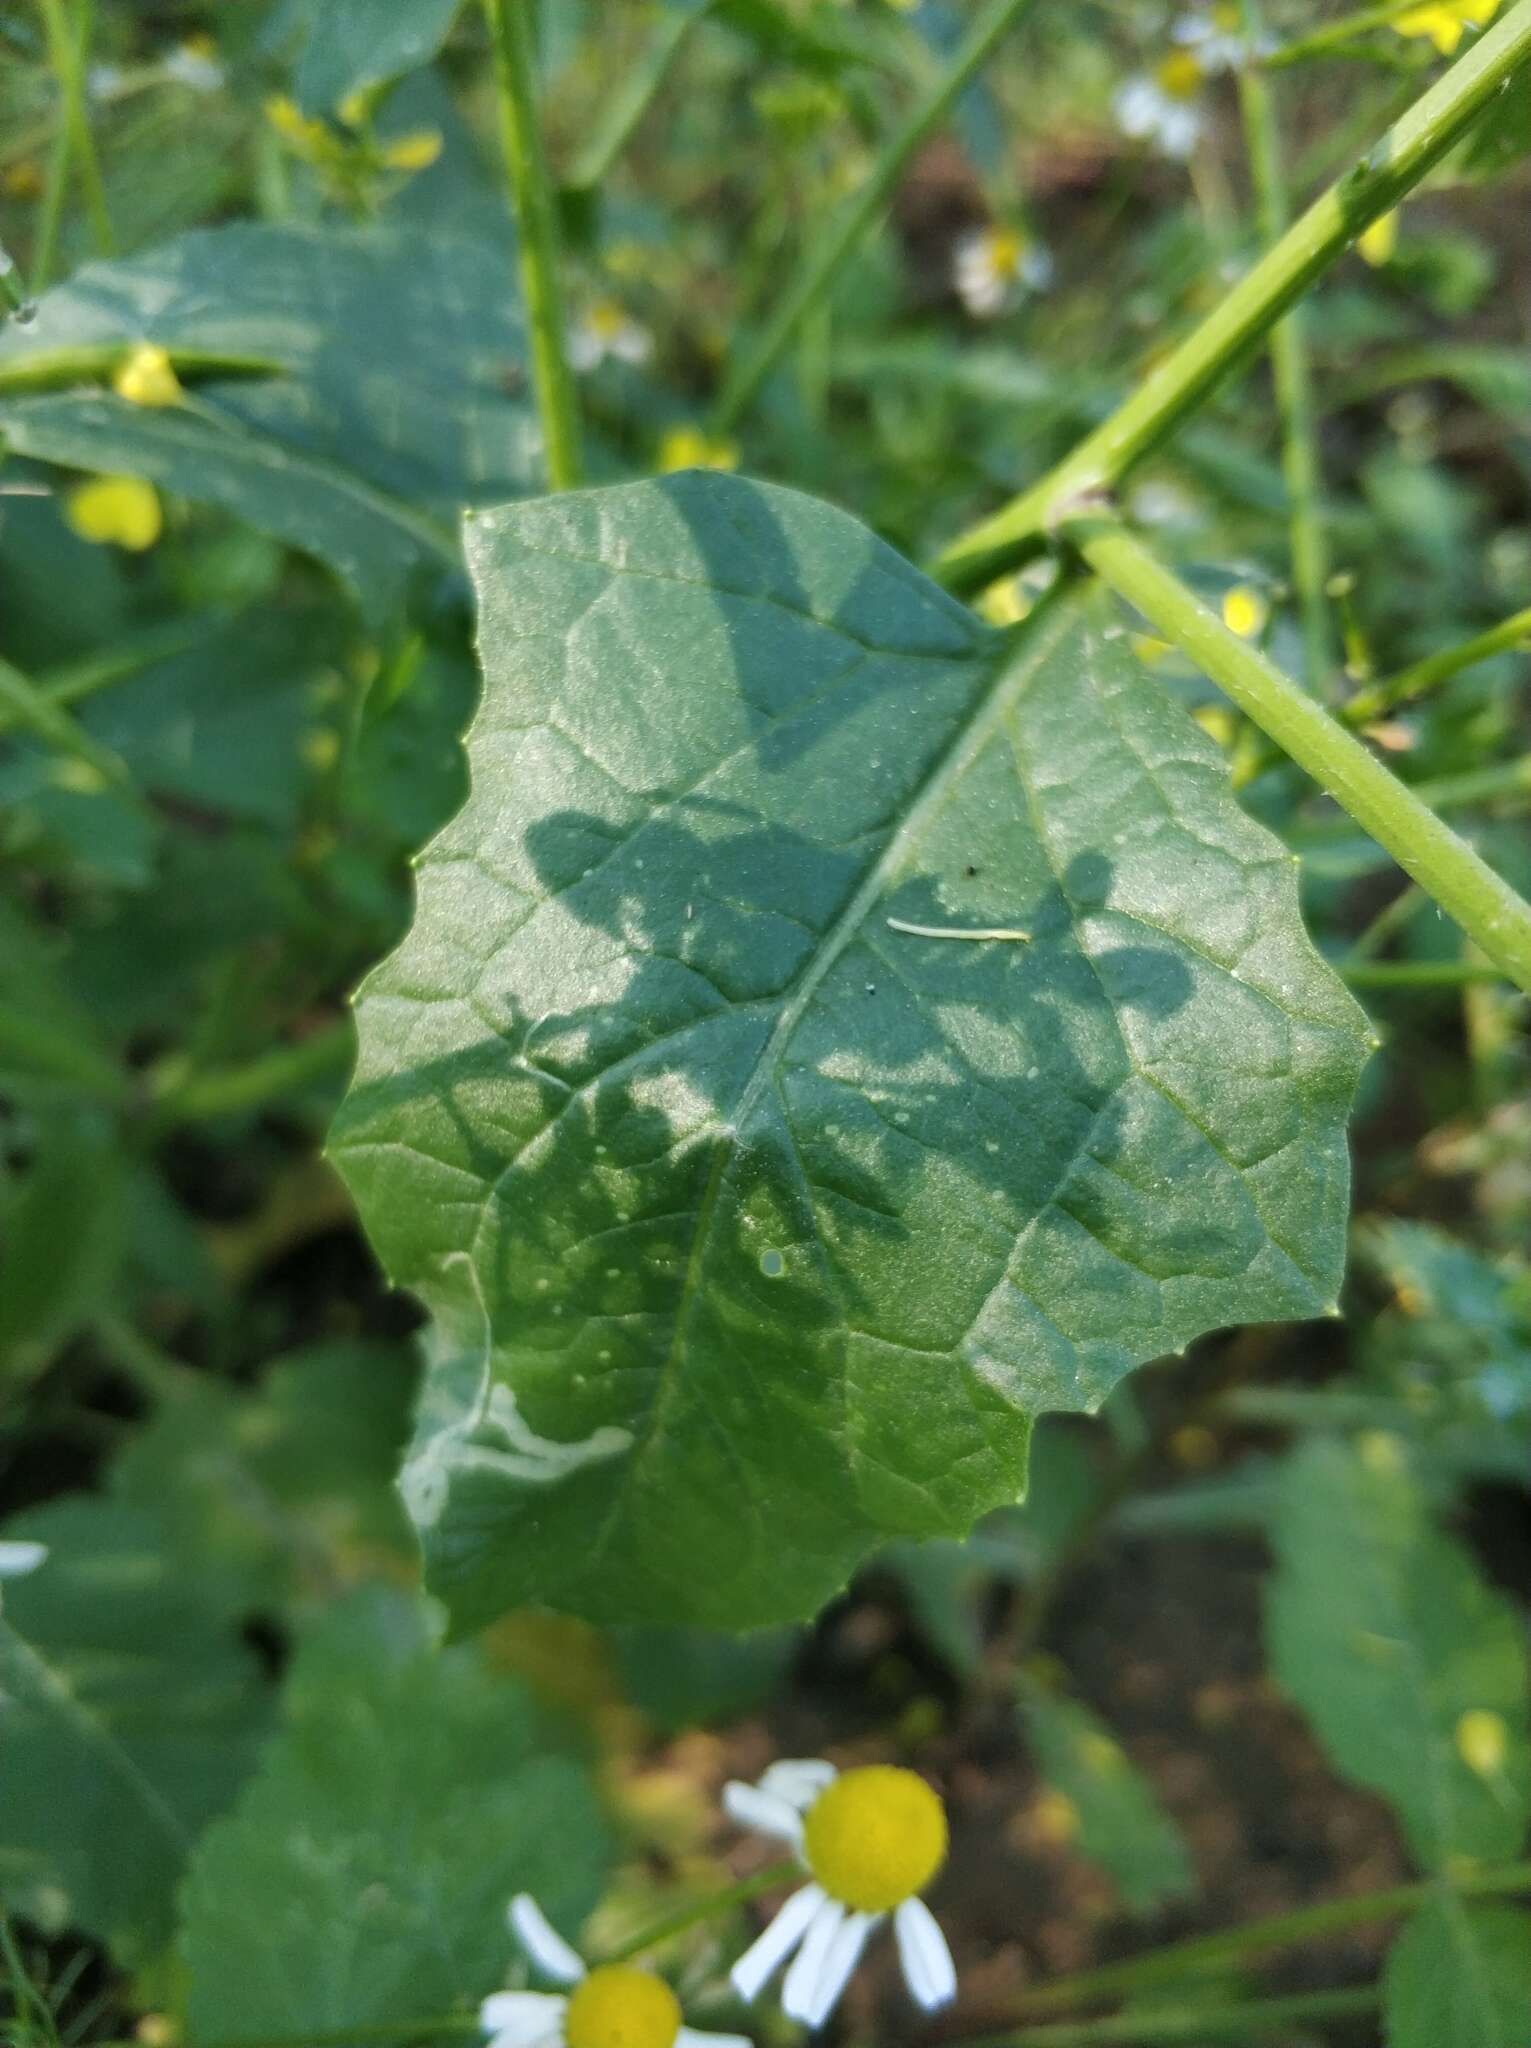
(1446, 22)
(1216, 36)
(1163, 106)
(615, 2005)
(608, 333)
(994, 266)
(194, 64)
(871, 1840)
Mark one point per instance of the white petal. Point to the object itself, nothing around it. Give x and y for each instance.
(840, 1962)
(1137, 107)
(766, 1954)
(632, 344)
(16, 1559)
(542, 1941)
(693, 2037)
(522, 2019)
(800, 1993)
(585, 349)
(798, 1779)
(928, 1967)
(753, 1808)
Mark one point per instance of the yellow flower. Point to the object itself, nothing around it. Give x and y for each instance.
(691, 448)
(1378, 242)
(1179, 75)
(1245, 611)
(120, 511)
(416, 151)
(305, 132)
(1447, 21)
(1482, 1742)
(147, 377)
(1004, 603)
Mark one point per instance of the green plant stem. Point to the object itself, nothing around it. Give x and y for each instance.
(1191, 2023)
(1241, 321)
(1416, 973)
(1485, 906)
(74, 148)
(686, 1917)
(825, 259)
(1213, 1952)
(74, 680)
(1337, 33)
(633, 97)
(23, 705)
(1292, 376)
(42, 1047)
(531, 191)
(1442, 793)
(235, 1091)
(56, 369)
(1414, 681)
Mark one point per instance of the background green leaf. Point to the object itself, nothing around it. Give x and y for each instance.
(737, 1208)
(365, 1873)
(1459, 1976)
(1385, 1635)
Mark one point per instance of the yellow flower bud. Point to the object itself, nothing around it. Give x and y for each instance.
(1482, 1741)
(148, 377)
(1245, 611)
(691, 448)
(416, 151)
(116, 511)
(1378, 242)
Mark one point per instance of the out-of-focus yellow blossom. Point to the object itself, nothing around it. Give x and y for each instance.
(1447, 21)
(23, 180)
(1482, 1741)
(305, 133)
(1218, 723)
(1004, 603)
(416, 151)
(993, 266)
(1150, 649)
(148, 377)
(1245, 611)
(116, 511)
(692, 448)
(1378, 242)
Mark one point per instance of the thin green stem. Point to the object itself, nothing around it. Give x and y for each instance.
(235, 1091)
(23, 705)
(1214, 1952)
(826, 258)
(1291, 374)
(1241, 321)
(531, 191)
(39, 1045)
(1337, 33)
(1415, 973)
(1414, 681)
(1191, 2023)
(74, 680)
(58, 369)
(1483, 903)
(687, 1917)
(634, 96)
(74, 147)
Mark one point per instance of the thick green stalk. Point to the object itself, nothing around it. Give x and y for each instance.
(1416, 973)
(74, 146)
(633, 97)
(510, 34)
(824, 261)
(1485, 905)
(1413, 682)
(1292, 377)
(1191, 2023)
(1240, 323)
(1205, 1953)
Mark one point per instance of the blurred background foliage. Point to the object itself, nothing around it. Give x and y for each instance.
(1258, 1636)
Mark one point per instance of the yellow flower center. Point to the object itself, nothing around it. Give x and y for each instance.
(874, 1837)
(606, 319)
(618, 2006)
(1179, 75)
(1007, 251)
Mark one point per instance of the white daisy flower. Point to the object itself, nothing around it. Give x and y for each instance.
(615, 2005)
(194, 65)
(608, 333)
(993, 266)
(1218, 39)
(871, 1840)
(1164, 106)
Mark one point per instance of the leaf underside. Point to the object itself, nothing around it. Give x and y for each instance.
(754, 1229)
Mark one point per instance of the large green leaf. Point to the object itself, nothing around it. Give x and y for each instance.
(129, 1712)
(1386, 1636)
(364, 1876)
(348, 45)
(1459, 1976)
(755, 1228)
